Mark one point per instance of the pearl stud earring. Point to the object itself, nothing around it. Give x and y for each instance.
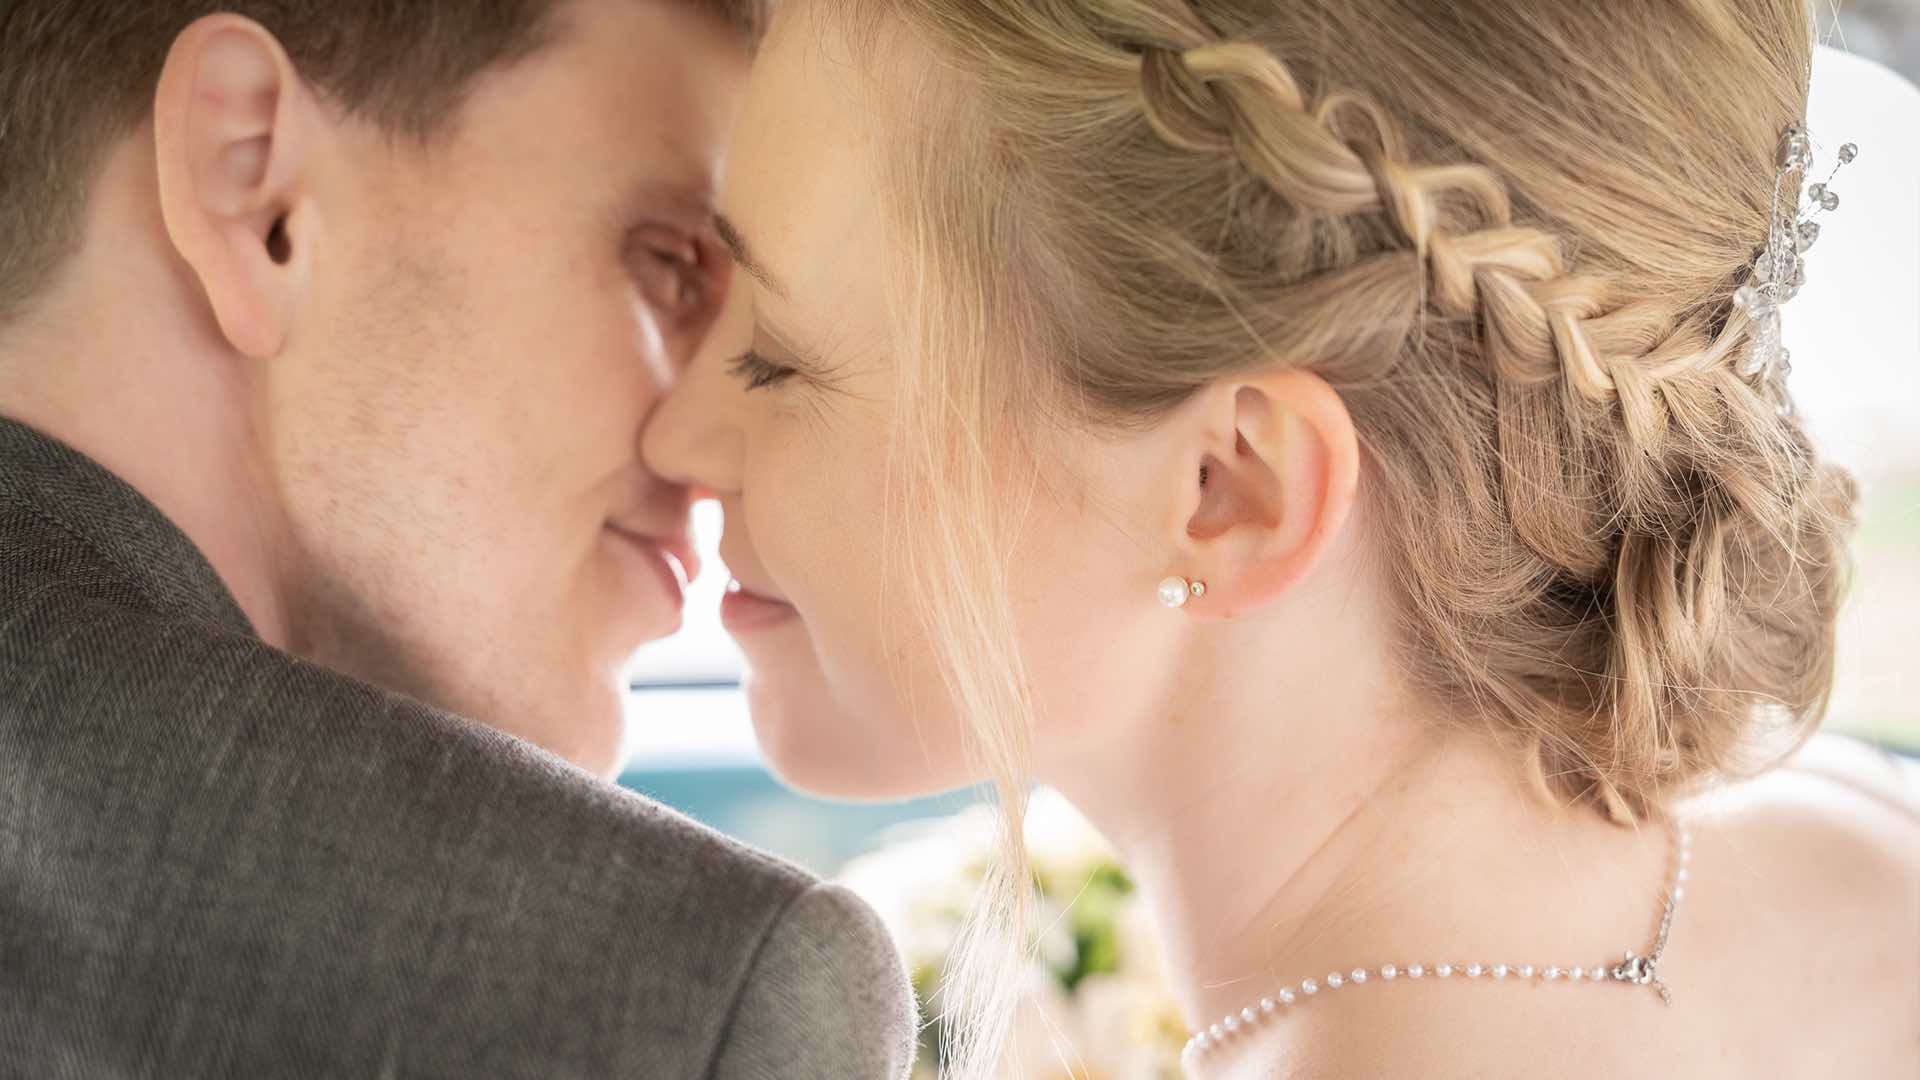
(1176, 591)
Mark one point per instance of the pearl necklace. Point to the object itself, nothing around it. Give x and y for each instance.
(1635, 970)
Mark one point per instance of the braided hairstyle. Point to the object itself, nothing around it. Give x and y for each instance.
(1507, 233)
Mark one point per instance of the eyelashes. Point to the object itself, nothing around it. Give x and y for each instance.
(758, 372)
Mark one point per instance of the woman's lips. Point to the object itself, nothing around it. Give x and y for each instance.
(742, 610)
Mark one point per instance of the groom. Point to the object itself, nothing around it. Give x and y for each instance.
(327, 332)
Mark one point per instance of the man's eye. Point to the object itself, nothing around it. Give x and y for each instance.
(670, 272)
(758, 372)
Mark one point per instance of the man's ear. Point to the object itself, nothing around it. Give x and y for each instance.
(233, 131)
(1275, 463)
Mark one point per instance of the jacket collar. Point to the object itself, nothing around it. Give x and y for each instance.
(98, 510)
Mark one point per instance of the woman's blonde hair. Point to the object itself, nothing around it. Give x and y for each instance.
(1507, 233)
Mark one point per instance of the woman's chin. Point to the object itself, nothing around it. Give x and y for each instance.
(815, 750)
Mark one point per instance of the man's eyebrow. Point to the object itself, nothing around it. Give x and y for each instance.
(743, 256)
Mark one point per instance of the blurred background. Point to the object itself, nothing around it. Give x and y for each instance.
(1855, 335)
(1886, 30)
(1861, 332)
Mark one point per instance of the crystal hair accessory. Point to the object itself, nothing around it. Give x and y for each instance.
(1779, 269)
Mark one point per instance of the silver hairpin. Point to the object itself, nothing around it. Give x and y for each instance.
(1779, 269)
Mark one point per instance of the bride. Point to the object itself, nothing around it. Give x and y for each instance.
(1343, 446)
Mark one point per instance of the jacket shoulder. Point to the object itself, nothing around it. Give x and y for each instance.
(828, 998)
(459, 900)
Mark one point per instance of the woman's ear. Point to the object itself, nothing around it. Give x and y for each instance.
(233, 128)
(1277, 465)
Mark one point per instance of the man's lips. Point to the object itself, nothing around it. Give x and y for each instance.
(677, 546)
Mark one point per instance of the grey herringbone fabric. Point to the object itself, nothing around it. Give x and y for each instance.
(219, 861)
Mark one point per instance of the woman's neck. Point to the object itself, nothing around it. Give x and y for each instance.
(1306, 820)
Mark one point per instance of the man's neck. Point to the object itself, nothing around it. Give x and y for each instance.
(176, 428)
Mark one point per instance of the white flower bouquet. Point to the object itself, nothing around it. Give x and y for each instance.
(1097, 1007)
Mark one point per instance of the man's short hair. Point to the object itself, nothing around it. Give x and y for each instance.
(78, 75)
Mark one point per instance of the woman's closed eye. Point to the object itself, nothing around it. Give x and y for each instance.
(758, 372)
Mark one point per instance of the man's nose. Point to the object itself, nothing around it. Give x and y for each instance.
(696, 436)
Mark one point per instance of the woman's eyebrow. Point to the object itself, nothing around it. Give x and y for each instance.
(743, 255)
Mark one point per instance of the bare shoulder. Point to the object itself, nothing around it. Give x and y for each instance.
(1792, 955)
(1825, 848)
(1863, 769)
(1814, 869)
(1841, 819)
